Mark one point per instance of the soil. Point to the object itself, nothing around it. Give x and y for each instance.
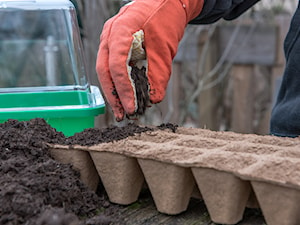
(141, 85)
(141, 88)
(37, 190)
(92, 136)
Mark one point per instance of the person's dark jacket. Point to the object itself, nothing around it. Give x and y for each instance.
(285, 117)
(214, 10)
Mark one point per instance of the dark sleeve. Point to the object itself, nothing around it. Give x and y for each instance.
(213, 10)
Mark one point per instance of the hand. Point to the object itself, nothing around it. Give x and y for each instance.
(157, 26)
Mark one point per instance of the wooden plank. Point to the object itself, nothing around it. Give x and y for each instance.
(208, 99)
(243, 98)
(283, 21)
(171, 103)
(144, 212)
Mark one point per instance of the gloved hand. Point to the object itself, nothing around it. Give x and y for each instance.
(161, 23)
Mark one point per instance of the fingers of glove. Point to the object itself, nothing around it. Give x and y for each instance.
(106, 82)
(161, 49)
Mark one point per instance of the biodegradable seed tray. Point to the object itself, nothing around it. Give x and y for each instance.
(231, 171)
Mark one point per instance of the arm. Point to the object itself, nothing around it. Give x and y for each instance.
(213, 10)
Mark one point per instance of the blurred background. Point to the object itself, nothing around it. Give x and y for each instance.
(225, 75)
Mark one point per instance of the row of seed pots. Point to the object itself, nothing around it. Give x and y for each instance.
(226, 190)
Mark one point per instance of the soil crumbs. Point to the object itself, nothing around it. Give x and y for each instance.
(37, 190)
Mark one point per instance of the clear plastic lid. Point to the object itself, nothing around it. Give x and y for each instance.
(40, 46)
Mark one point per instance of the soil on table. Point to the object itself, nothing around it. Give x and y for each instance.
(37, 190)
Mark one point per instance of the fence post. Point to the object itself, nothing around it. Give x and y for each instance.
(243, 98)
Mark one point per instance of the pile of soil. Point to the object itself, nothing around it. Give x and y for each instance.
(36, 189)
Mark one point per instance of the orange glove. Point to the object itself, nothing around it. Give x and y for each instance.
(161, 23)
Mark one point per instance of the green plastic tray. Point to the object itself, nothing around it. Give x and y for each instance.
(67, 111)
